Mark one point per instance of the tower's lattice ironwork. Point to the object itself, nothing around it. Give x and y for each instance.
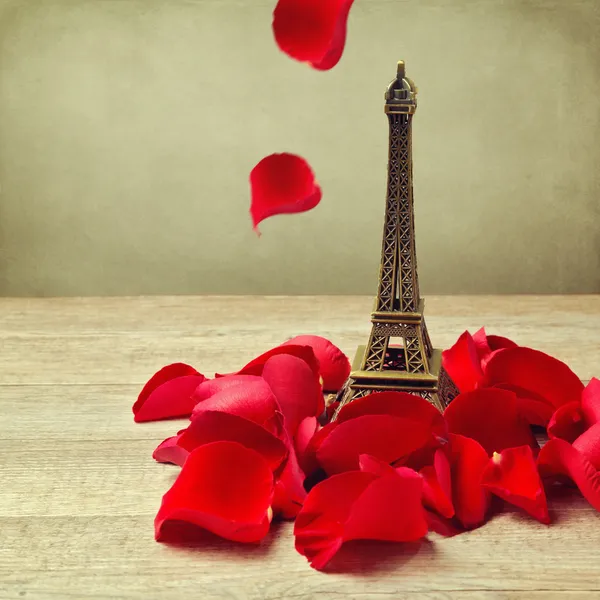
(411, 364)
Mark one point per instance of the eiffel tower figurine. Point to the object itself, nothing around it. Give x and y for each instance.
(412, 366)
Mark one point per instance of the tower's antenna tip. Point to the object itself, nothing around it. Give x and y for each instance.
(401, 69)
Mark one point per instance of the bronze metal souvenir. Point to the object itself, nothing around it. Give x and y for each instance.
(412, 364)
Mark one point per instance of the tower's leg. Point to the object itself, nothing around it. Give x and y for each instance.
(447, 389)
(426, 339)
(376, 351)
(416, 356)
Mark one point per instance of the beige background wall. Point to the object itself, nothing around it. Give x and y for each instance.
(128, 129)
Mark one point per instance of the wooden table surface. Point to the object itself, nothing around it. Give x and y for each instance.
(79, 488)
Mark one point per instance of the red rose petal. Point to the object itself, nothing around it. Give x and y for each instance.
(296, 388)
(385, 437)
(513, 476)
(256, 366)
(282, 184)
(398, 404)
(441, 526)
(389, 509)
(480, 339)
(558, 457)
(359, 505)
(490, 345)
(289, 485)
(334, 365)
(567, 422)
(486, 344)
(319, 527)
(497, 342)
(462, 363)
(590, 402)
(308, 458)
(370, 464)
(490, 417)
(168, 394)
(213, 426)
(312, 31)
(252, 399)
(538, 374)
(306, 430)
(588, 444)
(210, 387)
(532, 407)
(223, 487)
(468, 461)
(170, 452)
(437, 485)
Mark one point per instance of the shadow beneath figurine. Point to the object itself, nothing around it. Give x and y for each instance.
(363, 557)
(184, 537)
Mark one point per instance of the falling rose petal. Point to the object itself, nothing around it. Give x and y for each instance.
(437, 485)
(296, 388)
(214, 426)
(170, 452)
(590, 402)
(224, 488)
(359, 505)
(385, 437)
(312, 31)
(397, 404)
(468, 461)
(462, 363)
(567, 422)
(168, 394)
(250, 398)
(490, 417)
(538, 375)
(282, 184)
(334, 365)
(559, 458)
(256, 366)
(513, 476)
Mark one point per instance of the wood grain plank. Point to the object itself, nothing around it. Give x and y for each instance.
(220, 335)
(186, 313)
(79, 489)
(86, 412)
(91, 555)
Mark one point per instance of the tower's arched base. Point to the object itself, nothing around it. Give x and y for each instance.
(436, 386)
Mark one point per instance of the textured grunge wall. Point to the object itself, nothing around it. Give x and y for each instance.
(128, 129)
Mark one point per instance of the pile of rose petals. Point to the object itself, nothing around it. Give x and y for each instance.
(391, 467)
